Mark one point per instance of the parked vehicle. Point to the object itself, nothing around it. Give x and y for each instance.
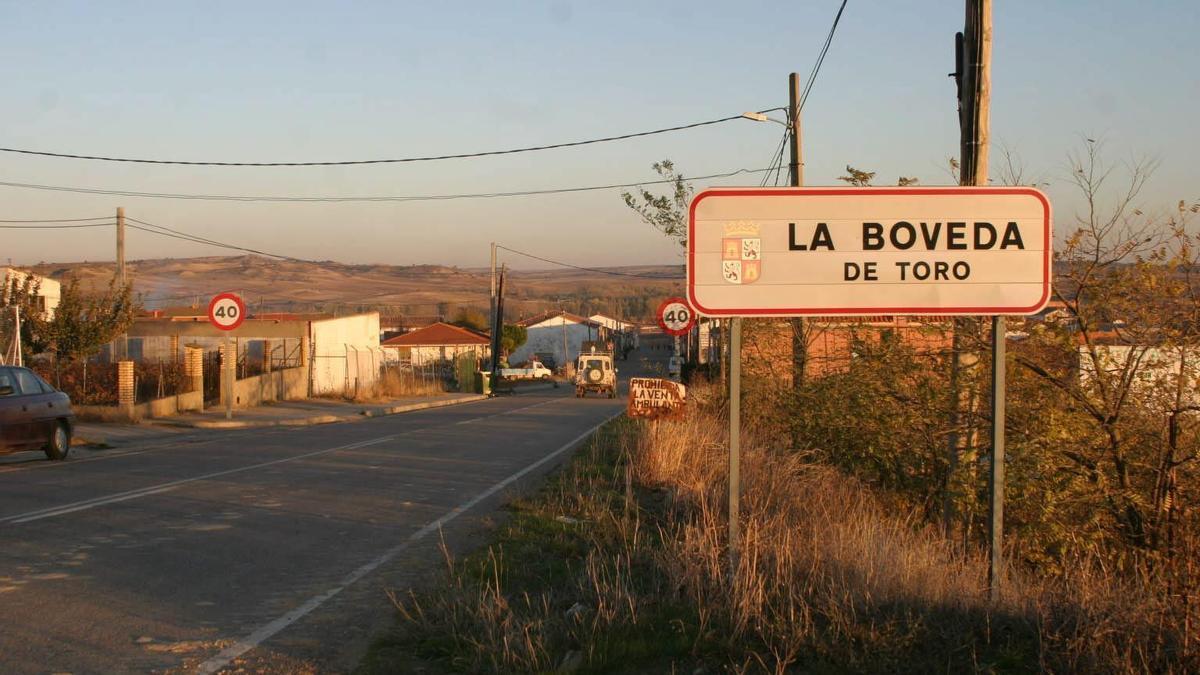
(594, 371)
(534, 370)
(33, 414)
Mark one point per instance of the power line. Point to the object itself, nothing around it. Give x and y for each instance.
(59, 220)
(110, 223)
(430, 158)
(378, 198)
(812, 77)
(776, 159)
(586, 269)
(176, 234)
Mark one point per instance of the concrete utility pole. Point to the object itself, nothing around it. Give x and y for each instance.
(796, 174)
(121, 245)
(122, 344)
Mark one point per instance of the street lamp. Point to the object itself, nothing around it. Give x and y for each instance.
(760, 117)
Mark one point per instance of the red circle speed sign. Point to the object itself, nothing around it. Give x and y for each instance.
(675, 316)
(226, 311)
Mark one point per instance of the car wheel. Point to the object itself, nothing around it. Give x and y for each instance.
(60, 442)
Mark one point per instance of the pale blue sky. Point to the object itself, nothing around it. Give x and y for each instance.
(292, 81)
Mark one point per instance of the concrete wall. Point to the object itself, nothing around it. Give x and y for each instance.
(343, 349)
(158, 348)
(281, 385)
(162, 407)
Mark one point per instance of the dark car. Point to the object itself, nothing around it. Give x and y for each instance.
(33, 414)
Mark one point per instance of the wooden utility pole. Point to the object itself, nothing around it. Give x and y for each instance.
(492, 319)
(974, 63)
(796, 175)
(976, 93)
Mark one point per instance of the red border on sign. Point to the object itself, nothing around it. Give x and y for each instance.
(663, 308)
(854, 311)
(212, 304)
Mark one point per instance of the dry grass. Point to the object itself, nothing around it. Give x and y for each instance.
(392, 385)
(826, 581)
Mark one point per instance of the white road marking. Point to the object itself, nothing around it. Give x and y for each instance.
(509, 412)
(267, 630)
(166, 487)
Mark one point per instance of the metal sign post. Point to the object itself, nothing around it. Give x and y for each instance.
(230, 372)
(996, 475)
(226, 311)
(735, 439)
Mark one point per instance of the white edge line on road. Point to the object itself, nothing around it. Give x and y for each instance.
(509, 412)
(266, 631)
(165, 487)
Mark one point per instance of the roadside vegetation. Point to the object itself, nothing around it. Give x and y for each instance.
(597, 574)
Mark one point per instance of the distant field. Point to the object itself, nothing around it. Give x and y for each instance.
(429, 290)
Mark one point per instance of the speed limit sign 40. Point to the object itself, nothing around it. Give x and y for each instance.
(226, 311)
(675, 316)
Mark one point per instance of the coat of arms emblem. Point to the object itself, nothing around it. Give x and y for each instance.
(741, 253)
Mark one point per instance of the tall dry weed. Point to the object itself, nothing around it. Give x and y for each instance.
(824, 572)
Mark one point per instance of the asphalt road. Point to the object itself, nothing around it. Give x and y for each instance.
(257, 549)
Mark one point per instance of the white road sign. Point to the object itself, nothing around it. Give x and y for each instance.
(226, 311)
(857, 251)
(675, 317)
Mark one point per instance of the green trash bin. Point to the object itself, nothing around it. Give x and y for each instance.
(483, 382)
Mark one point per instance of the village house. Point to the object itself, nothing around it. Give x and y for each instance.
(437, 342)
(49, 291)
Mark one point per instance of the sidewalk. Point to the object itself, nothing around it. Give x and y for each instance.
(283, 413)
(307, 412)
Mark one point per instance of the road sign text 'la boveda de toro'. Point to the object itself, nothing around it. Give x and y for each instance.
(863, 251)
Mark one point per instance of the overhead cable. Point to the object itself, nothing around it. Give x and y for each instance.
(812, 77)
(401, 160)
(378, 198)
(110, 223)
(176, 234)
(59, 220)
(589, 269)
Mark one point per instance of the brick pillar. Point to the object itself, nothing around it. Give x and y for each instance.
(174, 349)
(193, 366)
(266, 346)
(125, 392)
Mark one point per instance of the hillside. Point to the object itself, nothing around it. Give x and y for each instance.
(418, 290)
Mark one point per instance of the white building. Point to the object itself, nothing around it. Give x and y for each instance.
(557, 337)
(615, 325)
(342, 353)
(345, 352)
(49, 291)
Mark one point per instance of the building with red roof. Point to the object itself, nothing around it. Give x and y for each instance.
(437, 342)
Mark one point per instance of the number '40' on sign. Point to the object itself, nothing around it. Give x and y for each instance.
(675, 316)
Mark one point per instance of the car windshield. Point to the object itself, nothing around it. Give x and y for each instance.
(594, 363)
(6, 380)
